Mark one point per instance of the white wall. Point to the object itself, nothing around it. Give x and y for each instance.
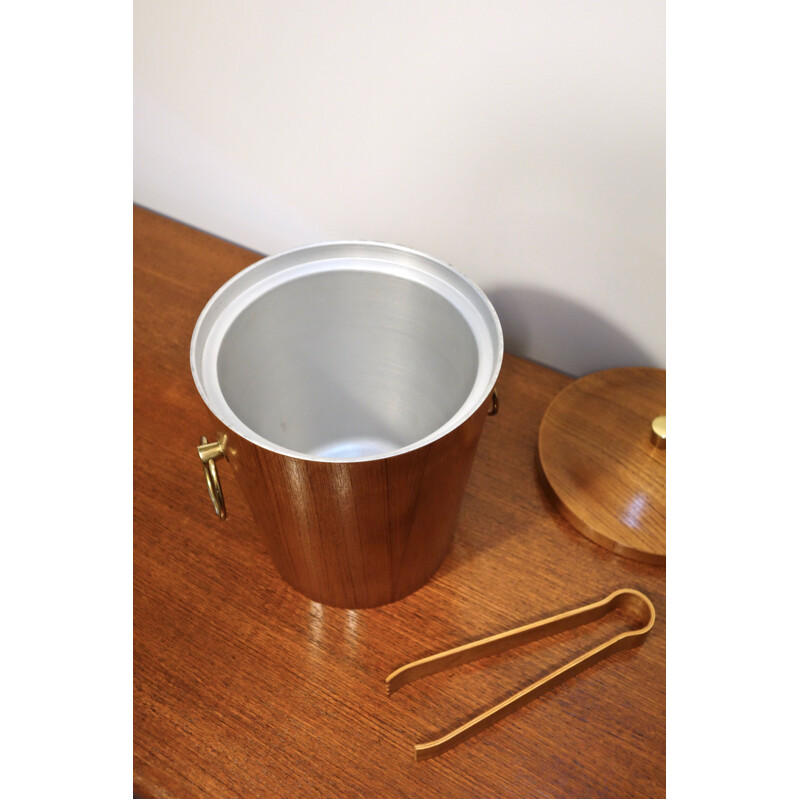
(521, 141)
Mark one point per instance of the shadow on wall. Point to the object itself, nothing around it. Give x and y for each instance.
(561, 334)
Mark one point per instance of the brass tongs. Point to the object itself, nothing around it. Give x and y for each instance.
(629, 599)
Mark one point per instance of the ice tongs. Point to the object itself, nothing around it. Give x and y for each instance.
(629, 599)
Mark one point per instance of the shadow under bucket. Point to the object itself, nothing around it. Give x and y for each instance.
(349, 382)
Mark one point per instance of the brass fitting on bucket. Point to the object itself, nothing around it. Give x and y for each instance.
(208, 453)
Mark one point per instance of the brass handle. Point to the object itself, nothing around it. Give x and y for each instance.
(208, 454)
(495, 404)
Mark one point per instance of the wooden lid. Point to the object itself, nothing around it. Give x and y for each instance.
(604, 461)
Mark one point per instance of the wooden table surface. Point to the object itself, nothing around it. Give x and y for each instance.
(244, 688)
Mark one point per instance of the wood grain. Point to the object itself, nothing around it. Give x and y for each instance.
(363, 534)
(244, 688)
(598, 461)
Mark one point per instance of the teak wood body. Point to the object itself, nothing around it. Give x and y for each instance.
(242, 687)
(358, 534)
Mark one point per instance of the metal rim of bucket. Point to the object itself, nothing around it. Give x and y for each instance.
(269, 273)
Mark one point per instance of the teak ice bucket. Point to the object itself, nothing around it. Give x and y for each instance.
(349, 383)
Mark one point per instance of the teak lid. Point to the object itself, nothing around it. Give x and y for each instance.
(602, 449)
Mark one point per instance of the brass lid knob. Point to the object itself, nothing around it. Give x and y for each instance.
(658, 432)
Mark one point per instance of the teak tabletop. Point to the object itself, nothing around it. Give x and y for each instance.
(244, 688)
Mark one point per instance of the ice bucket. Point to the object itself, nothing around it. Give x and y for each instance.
(348, 384)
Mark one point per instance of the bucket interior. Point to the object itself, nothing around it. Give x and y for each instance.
(347, 364)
